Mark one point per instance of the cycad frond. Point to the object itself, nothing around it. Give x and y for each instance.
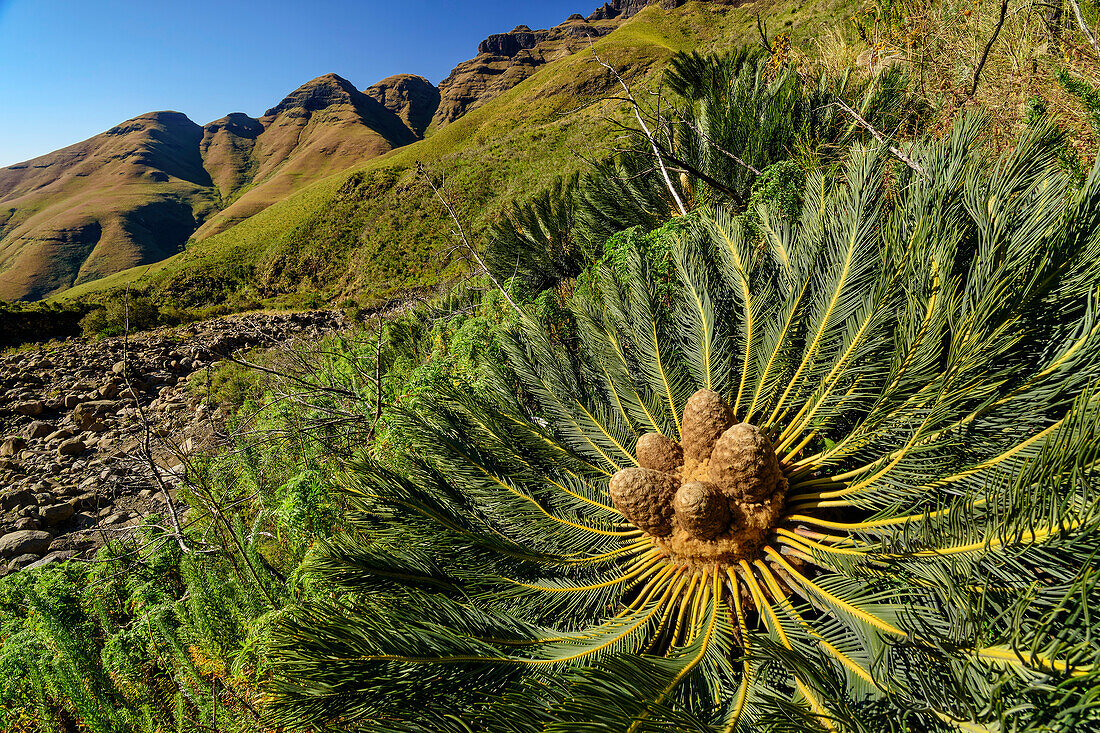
(915, 357)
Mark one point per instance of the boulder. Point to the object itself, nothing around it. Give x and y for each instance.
(23, 542)
(88, 413)
(23, 561)
(56, 556)
(30, 407)
(26, 523)
(71, 447)
(55, 513)
(37, 429)
(15, 499)
(12, 445)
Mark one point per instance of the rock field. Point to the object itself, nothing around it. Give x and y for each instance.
(76, 419)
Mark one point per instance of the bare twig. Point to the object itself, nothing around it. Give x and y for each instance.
(707, 139)
(1084, 27)
(645, 129)
(882, 139)
(988, 46)
(293, 378)
(686, 167)
(461, 232)
(146, 441)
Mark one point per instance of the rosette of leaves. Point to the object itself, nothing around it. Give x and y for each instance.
(915, 356)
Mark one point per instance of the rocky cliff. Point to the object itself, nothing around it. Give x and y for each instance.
(505, 59)
(412, 98)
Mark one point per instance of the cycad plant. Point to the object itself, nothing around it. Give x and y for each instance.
(842, 479)
(727, 119)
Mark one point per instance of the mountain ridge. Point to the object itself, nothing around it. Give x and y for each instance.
(138, 192)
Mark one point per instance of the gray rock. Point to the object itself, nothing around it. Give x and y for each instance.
(91, 500)
(22, 561)
(37, 429)
(26, 523)
(31, 408)
(55, 513)
(60, 434)
(15, 498)
(88, 413)
(12, 445)
(23, 542)
(55, 556)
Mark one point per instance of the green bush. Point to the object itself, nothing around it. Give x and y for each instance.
(120, 315)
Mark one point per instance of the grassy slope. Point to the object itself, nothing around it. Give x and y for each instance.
(377, 229)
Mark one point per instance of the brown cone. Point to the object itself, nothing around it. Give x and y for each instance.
(706, 416)
(644, 496)
(657, 452)
(744, 466)
(702, 510)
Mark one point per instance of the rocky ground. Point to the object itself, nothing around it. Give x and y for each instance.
(93, 433)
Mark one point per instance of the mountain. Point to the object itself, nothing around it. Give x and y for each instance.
(294, 199)
(138, 192)
(505, 59)
(130, 195)
(321, 128)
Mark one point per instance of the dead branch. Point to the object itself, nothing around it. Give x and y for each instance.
(1084, 27)
(146, 441)
(461, 232)
(707, 139)
(312, 385)
(645, 130)
(879, 136)
(377, 380)
(988, 46)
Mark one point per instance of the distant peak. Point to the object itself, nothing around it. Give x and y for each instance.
(317, 94)
(165, 118)
(237, 123)
(412, 98)
(402, 79)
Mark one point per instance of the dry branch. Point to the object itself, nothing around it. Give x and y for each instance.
(881, 138)
(646, 131)
(461, 232)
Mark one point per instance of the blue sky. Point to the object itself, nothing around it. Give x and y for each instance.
(70, 69)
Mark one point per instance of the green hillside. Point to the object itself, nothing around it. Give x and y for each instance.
(377, 230)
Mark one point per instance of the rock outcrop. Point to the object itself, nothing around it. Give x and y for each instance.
(505, 59)
(412, 98)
